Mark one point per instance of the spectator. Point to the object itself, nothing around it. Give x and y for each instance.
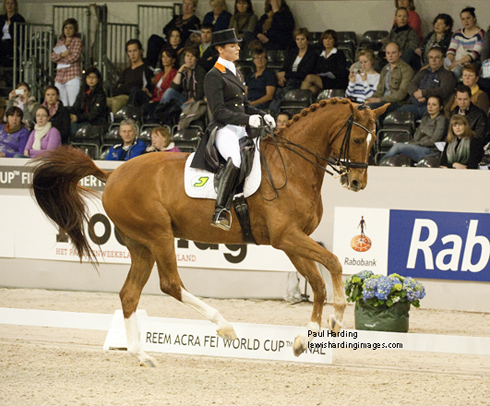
(244, 20)
(331, 67)
(299, 62)
(3, 105)
(162, 81)
(406, 37)
(13, 135)
(207, 57)
(363, 79)
(137, 76)
(67, 54)
(262, 83)
(219, 15)
(174, 41)
(393, 82)
(477, 118)
(188, 84)
(90, 106)
(45, 136)
(131, 146)
(22, 98)
(161, 141)
(440, 36)
(275, 28)
(59, 116)
(184, 22)
(484, 81)
(413, 18)
(463, 149)
(466, 43)
(434, 80)
(432, 129)
(478, 97)
(282, 119)
(7, 20)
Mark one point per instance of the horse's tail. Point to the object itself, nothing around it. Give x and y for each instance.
(56, 190)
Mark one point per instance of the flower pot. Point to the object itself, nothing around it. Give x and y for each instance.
(382, 318)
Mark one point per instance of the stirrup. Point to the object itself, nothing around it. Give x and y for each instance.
(221, 221)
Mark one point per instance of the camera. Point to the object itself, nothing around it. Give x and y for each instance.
(19, 91)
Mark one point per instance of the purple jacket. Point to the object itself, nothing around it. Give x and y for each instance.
(51, 140)
(14, 143)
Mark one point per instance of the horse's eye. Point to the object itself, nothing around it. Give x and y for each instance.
(357, 141)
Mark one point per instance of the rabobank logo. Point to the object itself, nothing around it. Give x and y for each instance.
(440, 245)
(361, 242)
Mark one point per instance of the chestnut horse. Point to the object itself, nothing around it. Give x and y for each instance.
(145, 199)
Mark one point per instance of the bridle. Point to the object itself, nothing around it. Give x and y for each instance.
(340, 165)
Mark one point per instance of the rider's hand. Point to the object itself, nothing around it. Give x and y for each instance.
(254, 121)
(270, 121)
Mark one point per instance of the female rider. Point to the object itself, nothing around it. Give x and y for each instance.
(224, 88)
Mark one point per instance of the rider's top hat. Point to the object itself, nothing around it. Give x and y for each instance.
(225, 37)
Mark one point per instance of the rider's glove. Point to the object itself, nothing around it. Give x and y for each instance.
(270, 121)
(254, 121)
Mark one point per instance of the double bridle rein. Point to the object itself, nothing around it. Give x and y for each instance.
(340, 165)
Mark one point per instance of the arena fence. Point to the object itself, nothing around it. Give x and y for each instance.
(32, 56)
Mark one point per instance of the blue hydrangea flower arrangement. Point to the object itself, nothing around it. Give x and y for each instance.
(379, 290)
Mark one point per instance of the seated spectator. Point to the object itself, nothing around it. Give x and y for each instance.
(466, 43)
(161, 141)
(406, 37)
(188, 84)
(282, 119)
(67, 54)
(262, 83)
(331, 67)
(393, 82)
(137, 76)
(174, 41)
(44, 137)
(440, 36)
(207, 57)
(22, 98)
(59, 115)
(275, 28)
(219, 15)
(3, 105)
(478, 97)
(463, 149)
(161, 81)
(432, 129)
(7, 20)
(244, 20)
(434, 80)
(477, 118)
(90, 106)
(363, 79)
(13, 134)
(299, 62)
(413, 17)
(130, 147)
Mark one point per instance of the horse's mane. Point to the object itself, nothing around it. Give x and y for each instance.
(314, 107)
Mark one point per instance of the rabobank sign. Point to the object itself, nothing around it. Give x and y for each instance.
(440, 245)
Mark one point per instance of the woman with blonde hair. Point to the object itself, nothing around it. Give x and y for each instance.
(363, 79)
(161, 141)
(463, 149)
(219, 16)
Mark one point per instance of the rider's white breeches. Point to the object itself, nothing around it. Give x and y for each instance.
(227, 142)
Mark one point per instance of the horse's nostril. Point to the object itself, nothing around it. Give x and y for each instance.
(355, 184)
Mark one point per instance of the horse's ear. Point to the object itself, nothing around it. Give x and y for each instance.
(380, 110)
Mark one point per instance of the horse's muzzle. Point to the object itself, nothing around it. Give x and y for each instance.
(351, 183)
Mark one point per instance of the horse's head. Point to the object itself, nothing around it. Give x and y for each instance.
(352, 143)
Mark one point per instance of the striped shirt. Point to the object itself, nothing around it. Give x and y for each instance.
(462, 45)
(361, 90)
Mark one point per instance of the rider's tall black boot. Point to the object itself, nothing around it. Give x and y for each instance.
(226, 190)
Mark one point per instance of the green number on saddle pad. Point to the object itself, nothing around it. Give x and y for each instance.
(202, 181)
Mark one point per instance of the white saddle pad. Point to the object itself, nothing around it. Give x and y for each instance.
(200, 183)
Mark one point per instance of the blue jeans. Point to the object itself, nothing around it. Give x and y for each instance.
(173, 94)
(414, 152)
(417, 111)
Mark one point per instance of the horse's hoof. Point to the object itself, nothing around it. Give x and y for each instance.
(299, 346)
(333, 324)
(150, 362)
(227, 333)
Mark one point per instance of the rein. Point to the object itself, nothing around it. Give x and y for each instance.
(341, 165)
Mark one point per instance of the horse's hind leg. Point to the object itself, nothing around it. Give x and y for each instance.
(171, 284)
(142, 262)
